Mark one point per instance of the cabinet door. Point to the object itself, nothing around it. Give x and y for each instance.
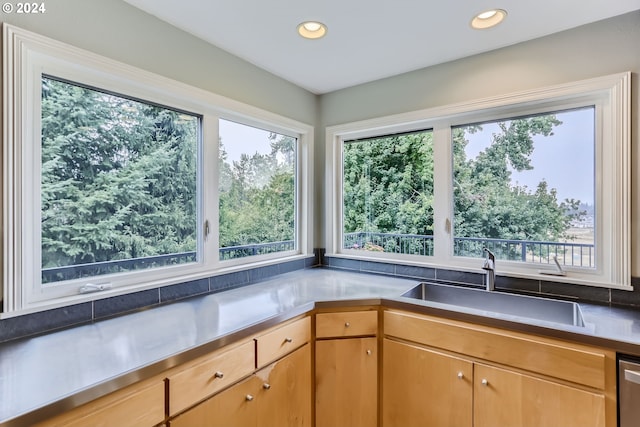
(234, 407)
(136, 406)
(424, 388)
(506, 398)
(284, 394)
(346, 382)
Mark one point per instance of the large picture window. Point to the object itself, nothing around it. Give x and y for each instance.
(117, 180)
(118, 183)
(516, 194)
(540, 178)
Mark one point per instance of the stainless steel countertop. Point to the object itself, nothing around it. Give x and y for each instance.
(58, 371)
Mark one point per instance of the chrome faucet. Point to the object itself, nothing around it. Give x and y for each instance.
(490, 266)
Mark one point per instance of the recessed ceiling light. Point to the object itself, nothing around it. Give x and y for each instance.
(488, 19)
(312, 29)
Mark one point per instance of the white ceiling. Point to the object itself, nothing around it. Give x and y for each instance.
(368, 39)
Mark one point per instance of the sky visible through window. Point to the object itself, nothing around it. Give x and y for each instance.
(565, 159)
(556, 148)
(239, 139)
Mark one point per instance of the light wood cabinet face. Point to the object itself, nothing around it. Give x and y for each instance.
(571, 362)
(284, 393)
(347, 382)
(210, 374)
(518, 380)
(282, 340)
(434, 372)
(138, 405)
(234, 407)
(506, 398)
(346, 324)
(278, 395)
(424, 388)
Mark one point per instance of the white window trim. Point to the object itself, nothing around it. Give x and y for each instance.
(612, 96)
(26, 56)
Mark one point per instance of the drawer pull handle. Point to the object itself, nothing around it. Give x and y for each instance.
(368, 352)
(485, 382)
(218, 374)
(249, 398)
(347, 324)
(460, 375)
(266, 386)
(288, 339)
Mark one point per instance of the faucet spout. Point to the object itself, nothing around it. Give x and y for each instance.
(490, 266)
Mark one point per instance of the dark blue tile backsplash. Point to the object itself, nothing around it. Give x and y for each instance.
(32, 324)
(122, 304)
(184, 290)
(46, 321)
(542, 288)
(59, 318)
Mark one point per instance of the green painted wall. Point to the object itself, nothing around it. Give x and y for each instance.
(117, 30)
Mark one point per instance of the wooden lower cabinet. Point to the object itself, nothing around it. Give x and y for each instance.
(284, 391)
(347, 382)
(229, 408)
(278, 395)
(506, 398)
(423, 387)
(138, 405)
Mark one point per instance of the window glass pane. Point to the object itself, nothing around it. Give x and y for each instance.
(118, 183)
(524, 188)
(257, 191)
(388, 194)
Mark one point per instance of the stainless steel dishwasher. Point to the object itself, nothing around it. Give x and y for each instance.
(629, 391)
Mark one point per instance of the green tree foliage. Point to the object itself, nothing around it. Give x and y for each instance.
(388, 186)
(488, 205)
(119, 182)
(118, 177)
(257, 195)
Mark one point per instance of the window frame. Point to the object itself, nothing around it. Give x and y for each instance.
(300, 196)
(26, 57)
(611, 97)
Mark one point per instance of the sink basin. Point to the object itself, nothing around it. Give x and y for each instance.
(542, 309)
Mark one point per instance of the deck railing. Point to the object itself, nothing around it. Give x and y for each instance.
(240, 251)
(57, 274)
(568, 253)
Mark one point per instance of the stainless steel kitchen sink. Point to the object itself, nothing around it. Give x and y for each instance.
(543, 309)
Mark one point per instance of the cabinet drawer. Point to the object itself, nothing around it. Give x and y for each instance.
(568, 361)
(209, 374)
(137, 405)
(346, 324)
(280, 341)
